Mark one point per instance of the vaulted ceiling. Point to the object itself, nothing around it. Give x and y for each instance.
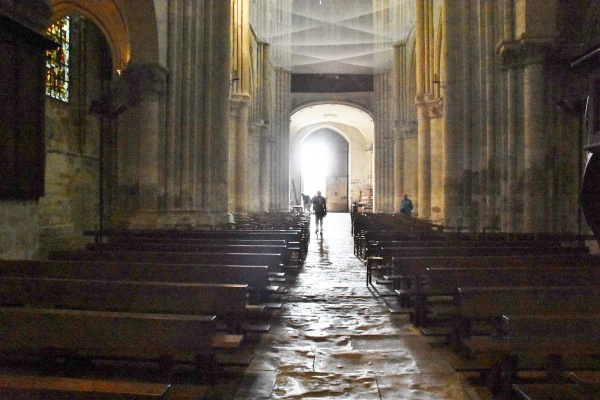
(335, 36)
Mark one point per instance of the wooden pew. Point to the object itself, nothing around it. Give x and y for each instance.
(292, 248)
(30, 387)
(223, 300)
(393, 258)
(291, 237)
(372, 236)
(552, 337)
(373, 248)
(409, 268)
(443, 282)
(53, 334)
(195, 248)
(186, 240)
(272, 261)
(490, 303)
(573, 389)
(257, 278)
(389, 253)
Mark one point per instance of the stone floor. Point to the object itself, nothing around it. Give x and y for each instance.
(336, 338)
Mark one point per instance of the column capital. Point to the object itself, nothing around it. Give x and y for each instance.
(432, 108)
(536, 50)
(238, 103)
(144, 78)
(516, 53)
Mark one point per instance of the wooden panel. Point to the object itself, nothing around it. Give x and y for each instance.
(22, 156)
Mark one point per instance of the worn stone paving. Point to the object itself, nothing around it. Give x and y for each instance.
(336, 338)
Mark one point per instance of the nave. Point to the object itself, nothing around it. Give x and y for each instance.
(332, 337)
(336, 338)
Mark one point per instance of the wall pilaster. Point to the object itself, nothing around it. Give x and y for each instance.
(239, 158)
(146, 84)
(536, 143)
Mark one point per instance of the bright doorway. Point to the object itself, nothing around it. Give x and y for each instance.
(325, 167)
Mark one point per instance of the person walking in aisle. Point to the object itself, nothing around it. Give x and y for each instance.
(320, 210)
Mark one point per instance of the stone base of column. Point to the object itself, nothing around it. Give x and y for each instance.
(184, 219)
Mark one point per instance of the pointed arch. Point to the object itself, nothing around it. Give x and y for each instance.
(117, 25)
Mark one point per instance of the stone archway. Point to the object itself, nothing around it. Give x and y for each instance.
(350, 124)
(116, 22)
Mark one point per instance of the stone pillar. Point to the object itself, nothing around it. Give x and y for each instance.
(398, 166)
(453, 93)
(265, 167)
(384, 145)
(146, 83)
(219, 93)
(536, 142)
(424, 160)
(424, 48)
(491, 178)
(241, 154)
(280, 151)
(509, 59)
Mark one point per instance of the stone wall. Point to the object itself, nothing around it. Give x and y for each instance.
(71, 202)
(19, 227)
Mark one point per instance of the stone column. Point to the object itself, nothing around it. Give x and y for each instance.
(241, 154)
(536, 142)
(219, 92)
(453, 93)
(280, 154)
(510, 59)
(384, 144)
(265, 167)
(398, 166)
(424, 160)
(146, 83)
(491, 178)
(424, 129)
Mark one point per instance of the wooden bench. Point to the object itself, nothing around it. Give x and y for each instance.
(369, 237)
(407, 268)
(30, 387)
(389, 253)
(223, 300)
(256, 277)
(272, 261)
(195, 248)
(549, 336)
(50, 335)
(575, 390)
(186, 240)
(373, 248)
(488, 304)
(226, 301)
(292, 237)
(295, 248)
(394, 259)
(443, 282)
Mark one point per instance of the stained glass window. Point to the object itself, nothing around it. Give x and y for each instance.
(57, 62)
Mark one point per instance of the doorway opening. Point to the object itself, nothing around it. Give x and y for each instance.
(315, 167)
(325, 167)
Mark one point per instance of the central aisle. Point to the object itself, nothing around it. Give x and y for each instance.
(335, 338)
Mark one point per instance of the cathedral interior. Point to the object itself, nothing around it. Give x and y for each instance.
(199, 115)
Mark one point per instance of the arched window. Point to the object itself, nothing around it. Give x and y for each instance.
(57, 62)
